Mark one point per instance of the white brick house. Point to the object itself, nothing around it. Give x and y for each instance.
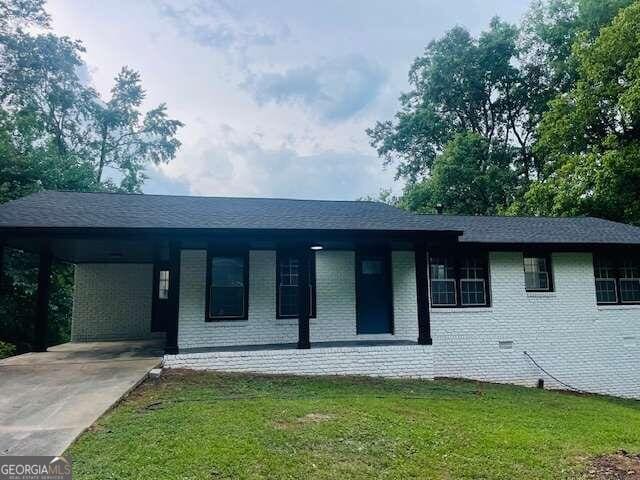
(389, 293)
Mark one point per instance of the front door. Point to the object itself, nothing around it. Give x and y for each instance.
(161, 284)
(373, 293)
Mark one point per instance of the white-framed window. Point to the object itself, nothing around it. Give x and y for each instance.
(459, 280)
(288, 279)
(537, 273)
(617, 279)
(163, 284)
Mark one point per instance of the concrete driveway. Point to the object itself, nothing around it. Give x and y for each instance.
(48, 399)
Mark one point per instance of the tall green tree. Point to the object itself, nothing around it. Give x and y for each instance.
(591, 135)
(57, 133)
(497, 86)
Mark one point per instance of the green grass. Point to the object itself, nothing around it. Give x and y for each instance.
(213, 426)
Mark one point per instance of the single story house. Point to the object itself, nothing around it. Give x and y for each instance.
(344, 287)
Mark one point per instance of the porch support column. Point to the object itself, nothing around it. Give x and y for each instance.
(42, 301)
(171, 339)
(1, 265)
(422, 290)
(304, 341)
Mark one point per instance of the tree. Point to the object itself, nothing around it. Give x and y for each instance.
(127, 140)
(471, 176)
(591, 135)
(497, 86)
(461, 86)
(56, 133)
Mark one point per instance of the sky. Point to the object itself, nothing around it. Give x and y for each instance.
(275, 95)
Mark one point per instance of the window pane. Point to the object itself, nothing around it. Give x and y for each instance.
(227, 271)
(630, 290)
(473, 292)
(536, 273)
(288, 301)
(227, 302)
(606, 290)
(163, 284)
(604, 268)
(227, 287)
(442, 268)
(443, 292)
(372, 267)
(630, 269)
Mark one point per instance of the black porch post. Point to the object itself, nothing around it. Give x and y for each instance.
(1, 265)
(171, 341)
(422, 289)
(303, 298)
(42, 302)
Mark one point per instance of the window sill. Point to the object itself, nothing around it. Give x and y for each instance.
(435, 310)
(227, 323)
(631, 306)
(541, 294)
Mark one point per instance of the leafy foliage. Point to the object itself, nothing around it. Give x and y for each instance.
(57, 133)
(591, 135)
(493, 124)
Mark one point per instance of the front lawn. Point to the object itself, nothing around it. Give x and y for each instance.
(213, 426)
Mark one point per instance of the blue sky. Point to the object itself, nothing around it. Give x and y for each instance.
(275, 95)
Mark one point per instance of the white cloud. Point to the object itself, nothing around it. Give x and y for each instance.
(335, 89)
(233, 165)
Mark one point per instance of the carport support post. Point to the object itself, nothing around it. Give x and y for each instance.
(303, 298)
(422, 291)
(171, 339)
(42, 303)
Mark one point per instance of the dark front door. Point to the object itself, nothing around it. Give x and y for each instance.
(373, 293)
(161, 284)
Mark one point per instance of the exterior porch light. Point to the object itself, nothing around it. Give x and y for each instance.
(316, 247)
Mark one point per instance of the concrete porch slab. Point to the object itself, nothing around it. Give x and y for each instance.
(47, 399)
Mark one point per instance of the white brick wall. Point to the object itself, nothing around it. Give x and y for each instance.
(411, 361)
(589, 347)
(592, 348)
(111, 302)
(336, 302)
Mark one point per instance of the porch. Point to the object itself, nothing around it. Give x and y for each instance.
(140, 286)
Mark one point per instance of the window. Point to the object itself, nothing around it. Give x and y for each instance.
(537, 273)
(163, 284)
(227, 281)
(459, 280)
(472, 283)
(604, 270)
(617, 279)
(287, 285)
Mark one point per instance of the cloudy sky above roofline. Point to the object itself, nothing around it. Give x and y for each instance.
(275, 95)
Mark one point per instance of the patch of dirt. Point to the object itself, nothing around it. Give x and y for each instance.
(309, 418)
(618, 466)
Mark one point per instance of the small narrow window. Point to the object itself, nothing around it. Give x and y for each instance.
(227, 287)
(537, 273)
(163, 284)
(443, 282)
(288, 279)
(472, 283)
(604, 270)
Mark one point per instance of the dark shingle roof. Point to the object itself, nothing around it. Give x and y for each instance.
(109, 210)
(533, 230)
(112, 210)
